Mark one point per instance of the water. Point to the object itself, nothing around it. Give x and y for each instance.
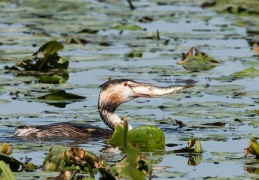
(92, 64)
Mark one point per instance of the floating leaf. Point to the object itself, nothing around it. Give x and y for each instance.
(129, 27)
(195, 60)
(134, 54)
(60, 95)
(133, 166)
(53, 79)
(74, 159)
(76, 40)
(50, 59)
(89, 31)
(255, 111)
(51, 47)
(147, 137)
(248, 72)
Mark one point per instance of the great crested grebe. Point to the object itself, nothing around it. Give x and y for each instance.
(112, 94)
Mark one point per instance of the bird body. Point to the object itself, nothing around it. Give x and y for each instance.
(112, 94)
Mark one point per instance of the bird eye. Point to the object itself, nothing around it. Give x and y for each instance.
(125, 84)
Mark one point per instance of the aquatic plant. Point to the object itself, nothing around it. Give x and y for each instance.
(50, 59)
(195, 60)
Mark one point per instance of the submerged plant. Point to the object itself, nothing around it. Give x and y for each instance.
(49, 60)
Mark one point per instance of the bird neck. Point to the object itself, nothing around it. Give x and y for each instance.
(109, 118)
(107, 105)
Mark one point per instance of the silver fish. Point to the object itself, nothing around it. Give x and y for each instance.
(152, 90)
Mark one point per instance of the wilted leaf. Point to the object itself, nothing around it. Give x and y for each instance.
(6, 149)
(252, 148)
(191, 142)
(69, 159)
(195, 60)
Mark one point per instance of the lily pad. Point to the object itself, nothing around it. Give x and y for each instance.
(248, 72)
(134, 54)
(195, 60)
(134, 165)
(147, 137)
(60, 95)
(129, 27)
(50, 59)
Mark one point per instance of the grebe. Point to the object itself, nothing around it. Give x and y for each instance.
(112, 94)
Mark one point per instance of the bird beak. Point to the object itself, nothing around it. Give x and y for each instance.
(141, 89)
(151, 90)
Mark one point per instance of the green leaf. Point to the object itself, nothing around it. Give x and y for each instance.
(195, 60)
(255, 146)
(6, 172)
(73, 158)
(118, 136)
(147, 137)
(50, 59)
(50, 47)
(60, 95)
(15, 164)
(133, 166)
(129, 27)
(198, 147)
(134, 54)
(53, 161)
(248, 72)
(6, 149)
